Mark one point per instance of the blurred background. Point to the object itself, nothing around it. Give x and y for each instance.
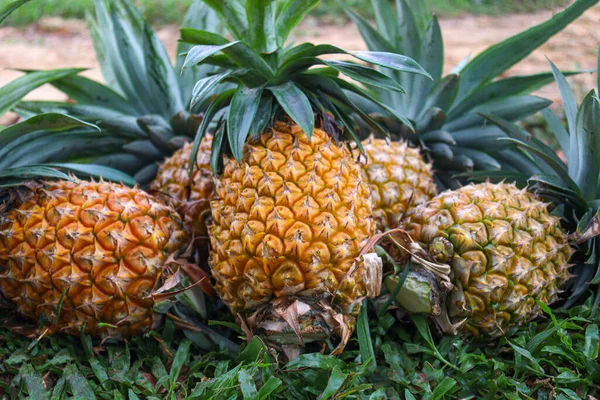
(46, 34)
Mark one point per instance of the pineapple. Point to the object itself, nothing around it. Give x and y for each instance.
(292, 208)
(91, 253)
(172, 186)
(446, 112)
(399, 179)
(506, 252)
(485, 255)
(147, 105)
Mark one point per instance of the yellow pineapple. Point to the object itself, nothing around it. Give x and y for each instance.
(74, 253)
(172, 186)
(399, 179)
(292, 208)
(289, 220)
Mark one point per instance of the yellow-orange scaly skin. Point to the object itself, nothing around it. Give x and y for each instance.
(289, 219)
(399, 179)
(103, 245)
(172, 186)
(509, 251)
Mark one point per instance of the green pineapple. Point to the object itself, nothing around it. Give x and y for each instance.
(485, 255)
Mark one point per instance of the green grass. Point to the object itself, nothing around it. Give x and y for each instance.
(555, 357)
(172, 11)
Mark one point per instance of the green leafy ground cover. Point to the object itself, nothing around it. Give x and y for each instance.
(556, 357)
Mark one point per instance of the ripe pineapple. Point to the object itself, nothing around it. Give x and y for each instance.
(484, 255)
(399, 179)
(146, 109)
(292, 207)
(172, 186)
(293, 216)
(92, 253)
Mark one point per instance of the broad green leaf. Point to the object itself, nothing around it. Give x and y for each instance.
(365, 343)
(200, 17)
(443, 388)
(78, 383)
(392, 61)
(33, 382)
(269, 387)
(290, 15)
(315, 360)
(409, 38)
(375, 41)
(247, 385)
(345, 85)
(129, 57)
(557, 128)
(89, 92)
(587, 134)
(509, 108)
(261, 24)
(233, 14)
(97, 171)
(570, 107)
(501, 88)
(336, 380)
(14, 91)
(480, 138)
(46, 122)
(444, 92)
(162, 79)
(253, 351)
(263, 115)
(181, 358)
(525, 353)
(295, 103)
(592, 338)
(202, 37)
(16, 176)
(385, 19)
(365, 75)
(205, 85)
(8, 9)
(214, 107)
(481, 160)
(432, 60)
(499, 57)
(242, 110)
(517, 135)
(199, 53)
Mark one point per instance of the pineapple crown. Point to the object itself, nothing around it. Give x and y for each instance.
(445, 111)
(573, 184)
(271, 78)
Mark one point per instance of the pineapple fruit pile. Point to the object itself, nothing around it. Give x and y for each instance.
(267, 173)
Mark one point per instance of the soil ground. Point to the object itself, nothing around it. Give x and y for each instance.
(57, 43)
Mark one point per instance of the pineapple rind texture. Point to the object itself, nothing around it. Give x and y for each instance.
(399, 179)
(509, 251)
(172, 186)
(290, 220)
(101, 244)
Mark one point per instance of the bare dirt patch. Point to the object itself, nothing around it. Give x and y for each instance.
(56, 43)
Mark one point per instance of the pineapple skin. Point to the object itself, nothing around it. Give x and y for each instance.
(172, 186)
(509, 251)
(290, 220)
(399, 179)
(103, 245)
